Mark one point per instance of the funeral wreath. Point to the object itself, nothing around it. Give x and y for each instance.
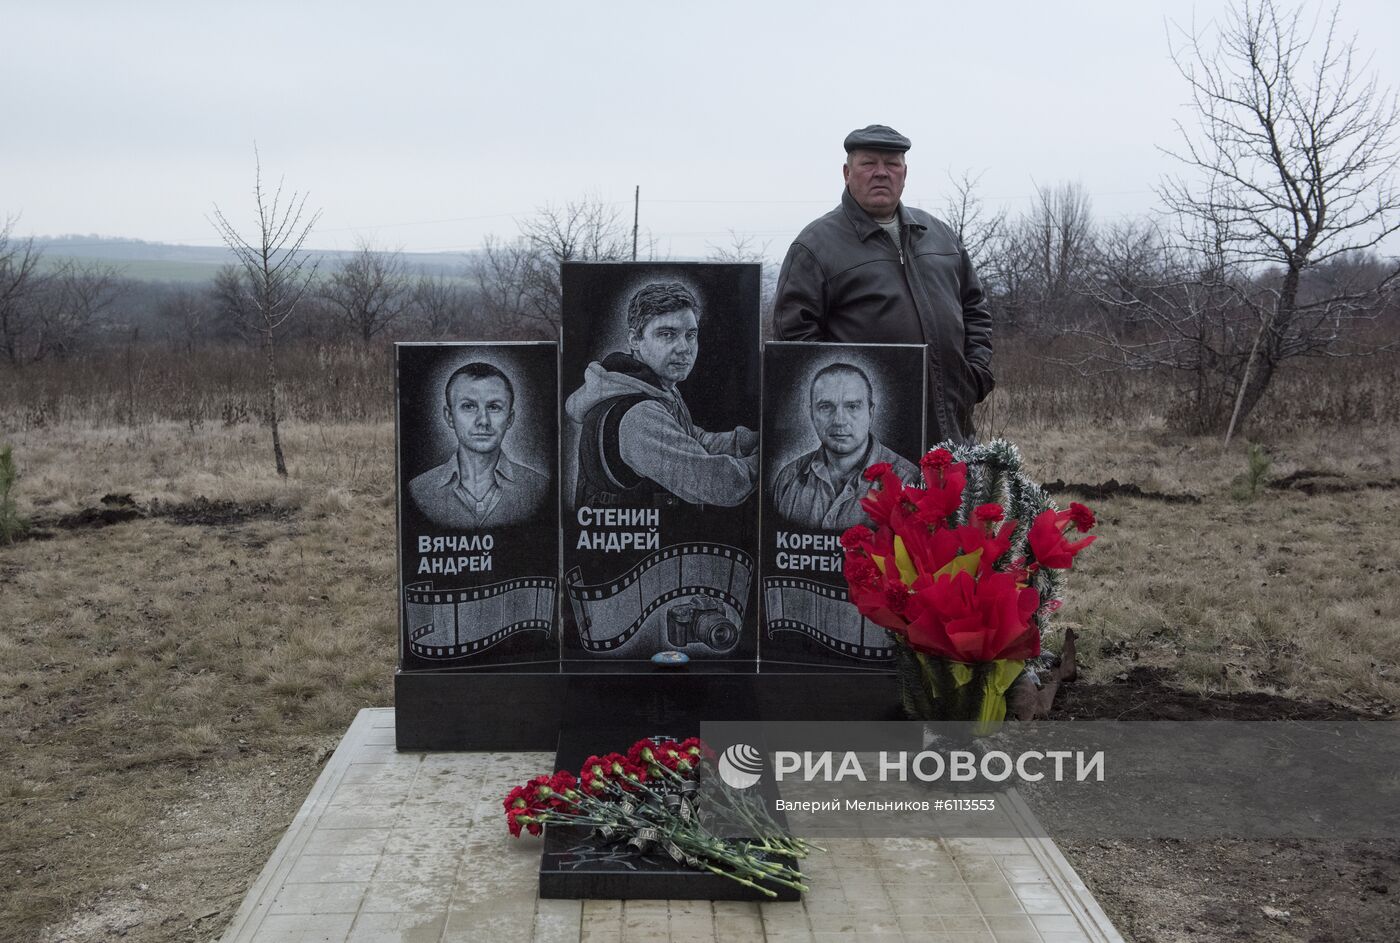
(965, 572)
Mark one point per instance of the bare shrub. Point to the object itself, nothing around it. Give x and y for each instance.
(12, 525)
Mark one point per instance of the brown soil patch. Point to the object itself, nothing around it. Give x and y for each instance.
(122, 508)
(1310, 481)
(1144, 693)
(1168, 890)
(1113, 488)
(203, 512)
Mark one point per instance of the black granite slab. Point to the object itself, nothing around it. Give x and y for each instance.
(575, 865)
(478, 581)
(659, 449)
(829, 412)
(522, 709)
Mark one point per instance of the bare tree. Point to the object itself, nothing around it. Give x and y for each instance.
(584, 231)
(278, 275)
(743, 247)
(69, 307)
(186, 313)
(231, 297)
(368, 291)
(1291, 164)
(1058, 235)
(1035, 264)
(19, 280)
(442, 304)
(977, 228)
(509, 278)
(1163, 306)
(519, 278)
(588, 230)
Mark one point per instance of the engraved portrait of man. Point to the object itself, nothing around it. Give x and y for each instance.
(479, 485)
(822, 489)
(638, 445)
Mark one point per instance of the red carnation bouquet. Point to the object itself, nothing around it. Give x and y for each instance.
(662, 797)
(956, 584)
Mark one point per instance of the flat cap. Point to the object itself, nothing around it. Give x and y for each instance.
(877, 137)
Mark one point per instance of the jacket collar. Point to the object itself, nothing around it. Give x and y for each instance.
(862, 222)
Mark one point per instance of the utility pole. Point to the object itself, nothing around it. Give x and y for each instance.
(636, 215)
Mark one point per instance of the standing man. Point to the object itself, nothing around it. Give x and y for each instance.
(874, 271)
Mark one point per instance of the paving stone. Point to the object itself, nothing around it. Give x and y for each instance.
(332, 869)
(788, 936)
(412, 848)
(437, 870)
(346, 841)
(1008, 923)
(424, 841)
(730, 928)
(397, 928)
(1056, 923)
(304, 928)
(319, 898)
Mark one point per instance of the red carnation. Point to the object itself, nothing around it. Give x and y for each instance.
(878, 470)
(989, 513)
(596, 773)
(861, 572)
(943, 496)
(1082, 517)
(935, 459)
(897, 599)
(563, 783)
(857, 537)
(632, 775)
(697, 748)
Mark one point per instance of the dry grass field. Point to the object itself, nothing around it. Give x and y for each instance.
(171, 683)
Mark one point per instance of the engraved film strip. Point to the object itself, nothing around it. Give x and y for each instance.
(711, 571)
(453, 623)
(822, 613)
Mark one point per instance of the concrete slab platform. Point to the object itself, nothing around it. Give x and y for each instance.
(396, 847)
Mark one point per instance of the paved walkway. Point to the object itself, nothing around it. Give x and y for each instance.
(412, 848)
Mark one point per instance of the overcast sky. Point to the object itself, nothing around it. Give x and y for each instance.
(428, 126)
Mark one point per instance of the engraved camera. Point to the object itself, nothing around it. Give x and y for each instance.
(700, 621)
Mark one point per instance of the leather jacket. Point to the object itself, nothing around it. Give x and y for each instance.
(845, 280)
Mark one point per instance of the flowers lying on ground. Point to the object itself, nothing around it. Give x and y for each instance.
(662, 797)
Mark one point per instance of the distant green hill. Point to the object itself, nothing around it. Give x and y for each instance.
(158, 261)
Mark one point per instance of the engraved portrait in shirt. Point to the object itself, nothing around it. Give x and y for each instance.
(480, 485)
(821, 489)
(637, 443)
